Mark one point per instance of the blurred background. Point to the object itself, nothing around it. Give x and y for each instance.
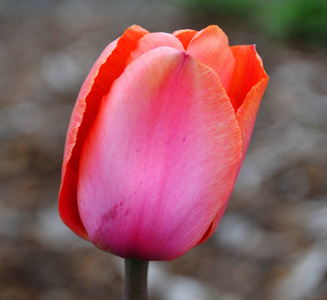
(272, 241)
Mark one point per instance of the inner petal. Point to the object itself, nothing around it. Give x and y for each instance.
(152, 41)
(247, 73)
(210, 47)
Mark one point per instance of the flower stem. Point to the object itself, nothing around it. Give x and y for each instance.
(135, 285)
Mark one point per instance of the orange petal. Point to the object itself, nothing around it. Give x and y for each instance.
(210, 47)
(185, 36)
(106, 69)
(248, 85)
(247, 73)
(247, 113)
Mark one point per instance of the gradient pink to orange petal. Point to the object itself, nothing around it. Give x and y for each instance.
(156, 141)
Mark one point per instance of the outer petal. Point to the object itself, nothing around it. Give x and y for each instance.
(247, 113)
(152, 41)
(248, 85)
(247, 73)
(210, 47)
(107, 68)
(214, 224)
(160, 160)
(185, 36)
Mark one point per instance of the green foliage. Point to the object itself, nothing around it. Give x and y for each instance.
(297, 20)
(221, 8)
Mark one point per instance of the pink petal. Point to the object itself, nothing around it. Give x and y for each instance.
(152, 41)
(214, 224)
(210, 47)
(106, 69)
(160, 160)
(185, 36)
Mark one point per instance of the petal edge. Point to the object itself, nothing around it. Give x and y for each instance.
(111, 63)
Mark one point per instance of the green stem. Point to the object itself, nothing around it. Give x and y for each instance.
(136, 273)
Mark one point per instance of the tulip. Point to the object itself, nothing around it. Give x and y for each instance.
(156, 140)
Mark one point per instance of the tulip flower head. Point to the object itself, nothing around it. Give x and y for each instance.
(156, 140)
